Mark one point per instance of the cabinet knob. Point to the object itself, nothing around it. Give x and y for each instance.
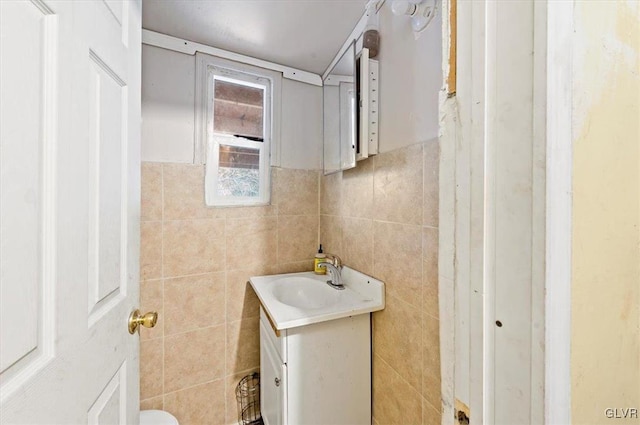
(277, 381)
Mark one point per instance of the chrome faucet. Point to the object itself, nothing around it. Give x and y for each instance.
(335, 277)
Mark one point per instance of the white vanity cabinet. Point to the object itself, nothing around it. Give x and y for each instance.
(273, 375)
(315, 347)
(316, 374)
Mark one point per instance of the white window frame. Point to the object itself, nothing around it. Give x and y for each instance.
(207, 143)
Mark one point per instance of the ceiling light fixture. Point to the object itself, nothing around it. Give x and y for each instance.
(420, 11)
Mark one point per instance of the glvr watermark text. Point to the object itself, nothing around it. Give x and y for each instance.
(621, 413)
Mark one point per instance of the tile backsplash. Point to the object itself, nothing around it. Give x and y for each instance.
(195, 262)
(382, 219)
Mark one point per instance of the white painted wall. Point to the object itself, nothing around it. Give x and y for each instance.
(301, 130)
(168, 113)
(410, 80)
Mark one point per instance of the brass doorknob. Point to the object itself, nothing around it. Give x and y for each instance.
(148, 320)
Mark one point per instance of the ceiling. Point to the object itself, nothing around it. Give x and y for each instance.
(303, 34)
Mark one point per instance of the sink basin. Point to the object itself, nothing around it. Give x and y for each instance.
(303, 292)
(299, 299)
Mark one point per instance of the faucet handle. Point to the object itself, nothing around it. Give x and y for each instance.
(335, 260)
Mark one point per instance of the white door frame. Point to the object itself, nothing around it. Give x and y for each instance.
(559, 165)
(480, 210)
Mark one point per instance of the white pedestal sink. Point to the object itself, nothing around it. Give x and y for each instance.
(315, 348)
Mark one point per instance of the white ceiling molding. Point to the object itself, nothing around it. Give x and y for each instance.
(176, 44)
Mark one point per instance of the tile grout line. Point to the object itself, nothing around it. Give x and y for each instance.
(373, 221)
(406, 303)
(422, 289)
(411, 387)
(208, 382)
(274, 191)
(437, 409)
(196, 385)
(381, 221)
(215, 325)
(318, 198)
(373, 268)
(162, 274)
(193, 275)
(225, 321)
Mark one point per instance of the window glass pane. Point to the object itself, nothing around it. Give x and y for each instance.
(238, 171)
(238, 110)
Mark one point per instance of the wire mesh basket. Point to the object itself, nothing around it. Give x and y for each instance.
(248, 399)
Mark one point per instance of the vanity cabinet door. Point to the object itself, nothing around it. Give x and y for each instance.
(273, 381)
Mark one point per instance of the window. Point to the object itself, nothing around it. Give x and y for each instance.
(235, 110)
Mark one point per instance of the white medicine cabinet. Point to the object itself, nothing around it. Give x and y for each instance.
(367, 74)
(350, 110)
(340, 114)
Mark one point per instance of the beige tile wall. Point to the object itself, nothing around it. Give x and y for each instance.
(195, 262)
(382, 219)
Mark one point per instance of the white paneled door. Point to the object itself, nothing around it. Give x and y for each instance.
(69, 210)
